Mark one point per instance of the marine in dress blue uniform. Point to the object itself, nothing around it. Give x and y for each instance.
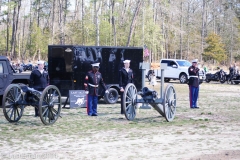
(125, 77)
(39, 80)
(193, 83)
(92, 81)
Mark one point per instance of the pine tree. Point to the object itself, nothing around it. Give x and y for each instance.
(215, 49)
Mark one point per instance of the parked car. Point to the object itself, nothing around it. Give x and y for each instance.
(177, 69)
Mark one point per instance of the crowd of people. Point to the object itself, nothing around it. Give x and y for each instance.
(19, 66)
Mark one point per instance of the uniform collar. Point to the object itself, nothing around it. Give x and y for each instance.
(41, 71)
(94, 72)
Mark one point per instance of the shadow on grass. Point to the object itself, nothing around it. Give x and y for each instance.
(142, 120)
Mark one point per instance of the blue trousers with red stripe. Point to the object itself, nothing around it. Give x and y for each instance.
(193, 96)
(92, 104)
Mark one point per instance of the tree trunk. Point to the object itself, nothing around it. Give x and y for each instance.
(132, 27)
(53, 19)
(38, 12)
(23, 34)
(96, 18)
(15, 27)
(60, 21)
(8, 26)
(231, 46)
(181, 28)
(113, 24)
(83, 19)
(76, 11)
(203, 27)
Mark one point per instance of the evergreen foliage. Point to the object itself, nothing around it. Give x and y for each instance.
(215, 49)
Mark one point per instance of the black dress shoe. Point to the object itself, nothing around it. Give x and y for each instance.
(196, 107)
(94, 114)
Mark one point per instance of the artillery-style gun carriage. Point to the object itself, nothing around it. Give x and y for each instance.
(165, 105)
(17, 96)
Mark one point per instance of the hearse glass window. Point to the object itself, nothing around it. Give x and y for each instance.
(90, 57)
(1, 68)
(68, 56)
(80, 54)
(184, 63)
(57, 57)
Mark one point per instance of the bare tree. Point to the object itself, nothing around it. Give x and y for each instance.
(97, 20)
(132, 27)
(203, 27)
(181, 28)
(53, 20)
(16, 10)
(113, 23)
(83, 18)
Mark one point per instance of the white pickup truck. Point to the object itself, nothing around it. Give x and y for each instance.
(176, 69)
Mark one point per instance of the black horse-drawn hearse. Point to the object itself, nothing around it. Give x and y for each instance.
(68, 65)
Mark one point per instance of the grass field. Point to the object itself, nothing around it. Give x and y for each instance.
(211, 132)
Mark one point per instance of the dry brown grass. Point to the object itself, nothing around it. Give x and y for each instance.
(211, 132)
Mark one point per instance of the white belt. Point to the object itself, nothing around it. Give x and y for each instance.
(92, 85)
(194, 76)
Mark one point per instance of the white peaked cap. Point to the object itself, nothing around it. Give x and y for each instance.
(95, 64)
(127, 61)
(195, 61)
(40, 62)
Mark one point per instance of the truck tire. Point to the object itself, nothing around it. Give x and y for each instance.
(111, 97)
(183, 78)
(166, 79)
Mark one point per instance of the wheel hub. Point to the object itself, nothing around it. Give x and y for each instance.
(133, 101)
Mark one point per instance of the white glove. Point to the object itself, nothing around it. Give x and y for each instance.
(107, 91)
(121, 90)
(86, 92)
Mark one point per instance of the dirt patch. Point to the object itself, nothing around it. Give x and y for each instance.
(211, 132)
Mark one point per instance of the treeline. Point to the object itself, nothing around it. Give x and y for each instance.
(186, 29)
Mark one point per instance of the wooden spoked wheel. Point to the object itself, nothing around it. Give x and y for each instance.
(50, 105)
(129, 101)
(11, 103)
(169, 103)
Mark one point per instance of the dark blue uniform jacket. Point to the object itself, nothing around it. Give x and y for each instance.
(125, 77)
(193, 81)
(38, 80)
(92, 82)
